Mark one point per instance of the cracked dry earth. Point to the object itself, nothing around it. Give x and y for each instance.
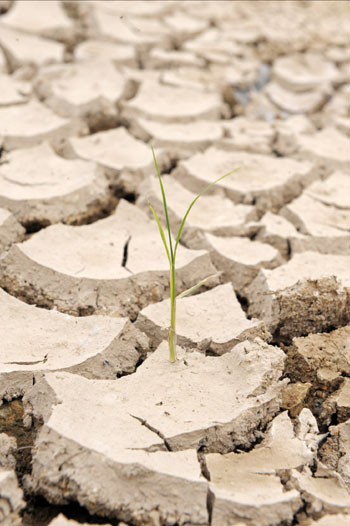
(251, 425)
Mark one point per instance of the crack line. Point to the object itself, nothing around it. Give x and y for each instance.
(153, 429)
(125, 253)
(44, 360)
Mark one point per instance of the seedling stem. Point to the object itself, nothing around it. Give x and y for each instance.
(171, 254)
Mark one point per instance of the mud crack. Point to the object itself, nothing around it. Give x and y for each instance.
(154, 430)
(125, 252)
(44, 360)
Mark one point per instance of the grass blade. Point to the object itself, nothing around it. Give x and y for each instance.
(164, 204)
(162, 235)
(195, 287)
(193, 202)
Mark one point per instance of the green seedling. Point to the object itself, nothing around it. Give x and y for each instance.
(171, 254)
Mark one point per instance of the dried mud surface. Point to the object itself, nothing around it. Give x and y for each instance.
(251, 425)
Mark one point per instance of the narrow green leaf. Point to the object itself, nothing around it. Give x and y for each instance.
(193, 202)
(195, 287)
(164, 204)
(162, 235)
